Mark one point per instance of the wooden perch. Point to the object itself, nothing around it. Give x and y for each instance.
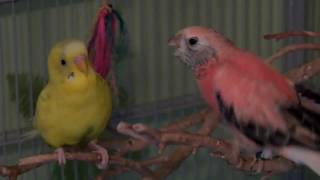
(220, 147)
(35, 161)
(210, 122)
(285, 35)
(292, 48)
(178, 133)
(305, 71)
(121, 147)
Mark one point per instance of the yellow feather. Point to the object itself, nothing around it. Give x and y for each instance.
(74, 106)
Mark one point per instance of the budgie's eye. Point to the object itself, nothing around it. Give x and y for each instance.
(63, 62)
(193, 41)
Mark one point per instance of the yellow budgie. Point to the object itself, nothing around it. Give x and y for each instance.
(75, 105)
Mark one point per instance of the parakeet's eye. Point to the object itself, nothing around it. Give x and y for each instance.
(193, 41)
(63, 62)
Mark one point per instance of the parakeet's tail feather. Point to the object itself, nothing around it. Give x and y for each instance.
(30, 135)
(307, 93)
(304, 156)
(308, 118)
(310, 95)
(307, 132)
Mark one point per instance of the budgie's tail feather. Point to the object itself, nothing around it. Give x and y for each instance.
(30, 135)
(304, 156)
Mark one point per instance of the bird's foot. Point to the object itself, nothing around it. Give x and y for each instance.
(254, 161)
(259, 159)
(257, 163)
(259, 166)
(61, 156)
(103, 154)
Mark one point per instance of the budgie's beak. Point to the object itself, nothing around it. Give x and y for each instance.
(175, 41)
(80, 62)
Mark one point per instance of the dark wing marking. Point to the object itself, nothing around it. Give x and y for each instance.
(261, 135)
(305, 92)
(306, 118)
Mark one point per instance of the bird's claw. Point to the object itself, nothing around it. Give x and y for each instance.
(239, 164)
(259, 163)
(103, 154)
(260, 167)
(61, 156)
(253, 162)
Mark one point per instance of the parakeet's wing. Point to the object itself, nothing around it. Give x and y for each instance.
(263, 113)
(42, 103)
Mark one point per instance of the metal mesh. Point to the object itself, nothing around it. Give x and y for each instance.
(159, 86)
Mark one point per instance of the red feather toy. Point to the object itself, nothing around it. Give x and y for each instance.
(101, 44)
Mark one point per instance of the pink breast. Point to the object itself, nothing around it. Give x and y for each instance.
(206, 88)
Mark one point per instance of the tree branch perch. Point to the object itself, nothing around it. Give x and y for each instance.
(285, 35)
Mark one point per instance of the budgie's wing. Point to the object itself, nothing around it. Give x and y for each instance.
(42, 100)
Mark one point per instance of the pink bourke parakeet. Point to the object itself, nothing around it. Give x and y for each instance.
(260, 105)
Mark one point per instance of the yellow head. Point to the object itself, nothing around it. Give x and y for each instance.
(68, 63)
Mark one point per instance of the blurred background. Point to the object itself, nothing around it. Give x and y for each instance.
(155, 86)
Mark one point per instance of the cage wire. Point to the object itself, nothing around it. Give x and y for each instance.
(159, 88)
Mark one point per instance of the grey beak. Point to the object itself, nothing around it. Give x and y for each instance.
(175, 41)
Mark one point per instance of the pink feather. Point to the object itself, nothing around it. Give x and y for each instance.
(101, 43)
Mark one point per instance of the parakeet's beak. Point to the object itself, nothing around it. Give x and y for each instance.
(80, 62)
(175, 41)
